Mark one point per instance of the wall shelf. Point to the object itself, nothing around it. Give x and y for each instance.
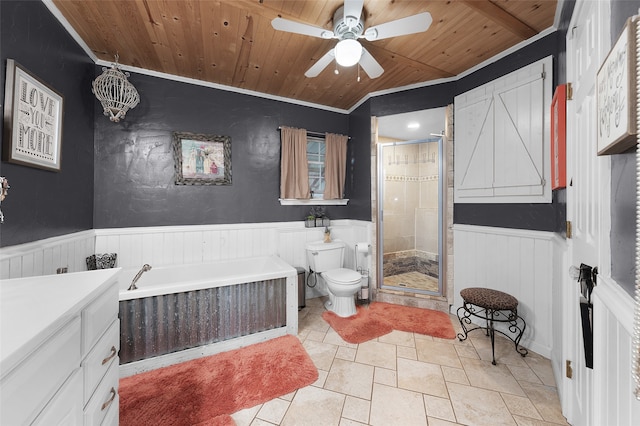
(313, 202)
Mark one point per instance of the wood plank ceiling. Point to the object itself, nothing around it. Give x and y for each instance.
(231, 42)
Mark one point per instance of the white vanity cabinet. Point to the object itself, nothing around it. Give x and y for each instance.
(59, 349)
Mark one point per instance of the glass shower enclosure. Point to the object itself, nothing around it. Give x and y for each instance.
(410, 212)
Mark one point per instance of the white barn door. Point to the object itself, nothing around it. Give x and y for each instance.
(588, 180)
(502, 133)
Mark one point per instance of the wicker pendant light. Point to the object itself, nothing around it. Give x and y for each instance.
(116, 94)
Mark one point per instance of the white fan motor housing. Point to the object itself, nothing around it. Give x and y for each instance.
(347, 26)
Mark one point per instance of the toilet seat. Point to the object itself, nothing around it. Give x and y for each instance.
(342, 276)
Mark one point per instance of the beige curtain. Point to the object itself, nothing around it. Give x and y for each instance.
(335, 165)
(294, 168)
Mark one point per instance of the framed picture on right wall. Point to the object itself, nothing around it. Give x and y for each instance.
(616, 95)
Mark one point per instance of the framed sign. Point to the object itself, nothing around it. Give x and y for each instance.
(616, 95)
(202, 159)
(559, 138)
(32, 120)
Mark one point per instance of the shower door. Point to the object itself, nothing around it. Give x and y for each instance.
(410, 216)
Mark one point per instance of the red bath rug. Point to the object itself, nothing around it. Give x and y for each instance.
(206, 390)
(415, 320)
(381, 318)
(357, 328)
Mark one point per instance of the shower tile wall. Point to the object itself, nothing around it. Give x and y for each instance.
(401, 197)
(427, 212)
(411, 209)
(411, 198)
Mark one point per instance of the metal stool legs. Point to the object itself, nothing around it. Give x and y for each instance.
(517, 325)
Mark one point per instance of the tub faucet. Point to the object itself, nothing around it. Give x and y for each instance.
(146, 267)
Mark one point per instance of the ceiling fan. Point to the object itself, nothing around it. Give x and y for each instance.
(348, 27)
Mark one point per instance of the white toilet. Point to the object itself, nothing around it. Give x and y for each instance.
(326, 259)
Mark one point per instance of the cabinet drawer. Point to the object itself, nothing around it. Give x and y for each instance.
(98, 316)
(100, 358)
(113, 413)
(65, 408)
(105, 396)
(26, 389)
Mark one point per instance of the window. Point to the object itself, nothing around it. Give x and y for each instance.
(312, 168)
(316, 149)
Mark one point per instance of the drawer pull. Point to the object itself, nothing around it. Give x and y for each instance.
(114, 352)
(108, 403)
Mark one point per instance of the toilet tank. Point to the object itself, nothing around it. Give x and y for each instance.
(325, 256)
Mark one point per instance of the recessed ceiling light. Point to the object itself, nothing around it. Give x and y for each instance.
(413, 125)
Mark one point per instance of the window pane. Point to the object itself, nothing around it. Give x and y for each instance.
(315, 184)
(313, 147)
(316, 158)
(315, 169)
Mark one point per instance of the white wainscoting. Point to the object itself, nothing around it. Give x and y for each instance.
(170, 245)
(518, 262)
(44, 257)
(174, 245)
(613, 385)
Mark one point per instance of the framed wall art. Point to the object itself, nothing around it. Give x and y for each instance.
(559, 138)
(32, 120)
(202, 159)
(616, 95)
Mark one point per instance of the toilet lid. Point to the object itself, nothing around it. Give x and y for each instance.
(342, 276)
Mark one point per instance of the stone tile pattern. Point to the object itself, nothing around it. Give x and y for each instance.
(410, 261)
(413, 280)
(409, 379)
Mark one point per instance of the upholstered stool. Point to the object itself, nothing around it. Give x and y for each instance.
(491, 306)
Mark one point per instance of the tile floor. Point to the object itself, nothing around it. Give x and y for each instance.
(414, 280)
(408, 379)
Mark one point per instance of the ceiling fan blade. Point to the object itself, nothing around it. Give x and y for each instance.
(353, 8)
(282, 24)
(320, 65)
(409, 25)
(370, 65)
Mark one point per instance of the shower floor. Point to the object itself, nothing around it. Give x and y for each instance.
(413, 280)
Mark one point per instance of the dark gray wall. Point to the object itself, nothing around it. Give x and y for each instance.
(134, 172)
(40, 203)
(358, 184)
(435, 96)
(623, 183)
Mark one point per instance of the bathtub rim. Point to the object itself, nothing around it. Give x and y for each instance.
(282, 270)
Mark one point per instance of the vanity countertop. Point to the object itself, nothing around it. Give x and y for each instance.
(33, 307)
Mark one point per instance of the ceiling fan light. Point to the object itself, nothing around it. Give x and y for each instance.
(348, 52)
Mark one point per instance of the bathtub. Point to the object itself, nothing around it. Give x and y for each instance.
(196, 276)
(186, 311)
